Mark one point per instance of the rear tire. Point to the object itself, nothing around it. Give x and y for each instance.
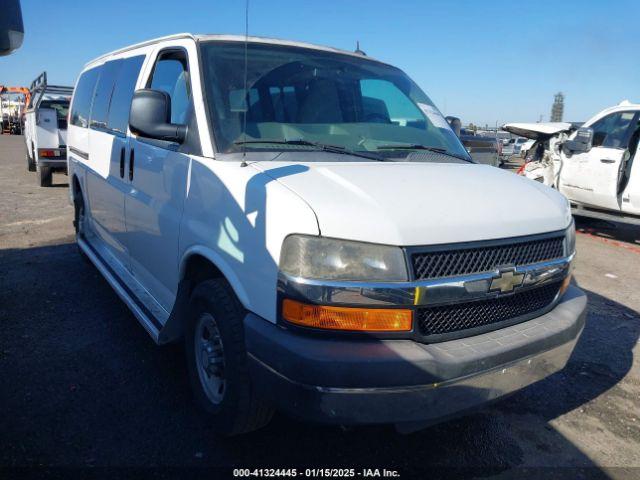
(45, 176)
(79, 220)
(31, 164)
(217, 360)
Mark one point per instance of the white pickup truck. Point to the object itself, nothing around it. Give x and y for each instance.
(594, 166)
(305, 220)
(45, 129)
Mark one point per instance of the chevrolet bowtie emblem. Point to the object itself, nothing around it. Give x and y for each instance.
(507, 281)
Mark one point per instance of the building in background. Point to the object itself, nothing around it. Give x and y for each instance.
(557, 109)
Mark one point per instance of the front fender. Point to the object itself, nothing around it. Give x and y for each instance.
(220, 264)
(237, 217)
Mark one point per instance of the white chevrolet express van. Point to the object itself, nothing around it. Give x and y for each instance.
(316, 233)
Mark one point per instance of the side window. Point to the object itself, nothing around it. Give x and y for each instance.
(611, 131)
(125, 85)
(81, 108)
(102, 94)
(171, 75)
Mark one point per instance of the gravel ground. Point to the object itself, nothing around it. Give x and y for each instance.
(84, 386)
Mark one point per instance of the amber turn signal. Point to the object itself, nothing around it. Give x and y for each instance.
(347, 318)
(565, 284)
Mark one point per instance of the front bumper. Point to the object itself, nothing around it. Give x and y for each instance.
(376, 381)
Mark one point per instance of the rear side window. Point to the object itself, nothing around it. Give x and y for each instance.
(102, 94)
(125, 85)
(81, 108)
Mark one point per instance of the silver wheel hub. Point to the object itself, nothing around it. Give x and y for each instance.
(209, 355)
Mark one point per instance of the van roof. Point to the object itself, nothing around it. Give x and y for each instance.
(230, 38)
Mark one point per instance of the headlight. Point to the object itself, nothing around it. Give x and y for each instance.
(570, 239)
(331, 259)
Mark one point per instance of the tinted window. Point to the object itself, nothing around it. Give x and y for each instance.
(102, 94)
(611, 130)
(123, 93)
(383, 102)
(171, 76)
(83, 94)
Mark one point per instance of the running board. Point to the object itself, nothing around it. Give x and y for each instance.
(620, 217)
(148, 322)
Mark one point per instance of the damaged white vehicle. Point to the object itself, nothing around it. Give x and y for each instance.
(592, 166)
(542, 160)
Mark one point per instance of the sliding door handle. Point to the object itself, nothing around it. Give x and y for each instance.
(131, 160)
(122, 162)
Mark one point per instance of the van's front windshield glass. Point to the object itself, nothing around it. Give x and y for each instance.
(303, 96)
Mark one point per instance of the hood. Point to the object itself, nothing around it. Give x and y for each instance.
(537, 131)
(421, 203)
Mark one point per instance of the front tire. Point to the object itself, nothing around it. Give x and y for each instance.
(45, 176)
(217, 360)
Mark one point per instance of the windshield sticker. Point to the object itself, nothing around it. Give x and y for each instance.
(434, 116)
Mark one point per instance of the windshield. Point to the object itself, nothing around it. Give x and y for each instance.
(298, 93)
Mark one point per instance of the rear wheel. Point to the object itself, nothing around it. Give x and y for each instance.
(79, 220)
(45, 176)
(31, 164)
(217, 360)
(78, 217)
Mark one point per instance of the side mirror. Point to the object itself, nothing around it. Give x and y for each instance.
(455, 124)
(11, 27)
(150, 116)
(582, 142)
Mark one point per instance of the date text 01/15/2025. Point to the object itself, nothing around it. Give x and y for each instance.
(316, 473)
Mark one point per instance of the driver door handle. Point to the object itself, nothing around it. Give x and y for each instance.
(607, 160)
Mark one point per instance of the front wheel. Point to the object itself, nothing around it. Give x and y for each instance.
(217, 360)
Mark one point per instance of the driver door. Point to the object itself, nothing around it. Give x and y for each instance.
(592, 177)
(157, 185)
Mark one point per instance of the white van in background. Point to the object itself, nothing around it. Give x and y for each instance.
(45, 129)
(315, 255)
(595, 167)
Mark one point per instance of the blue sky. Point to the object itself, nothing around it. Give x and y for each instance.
(486, 62)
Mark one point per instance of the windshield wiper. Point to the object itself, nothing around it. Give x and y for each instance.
(322, 147)
(418, 146)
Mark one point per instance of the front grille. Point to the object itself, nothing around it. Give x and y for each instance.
(443, 319)
(464, 261)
